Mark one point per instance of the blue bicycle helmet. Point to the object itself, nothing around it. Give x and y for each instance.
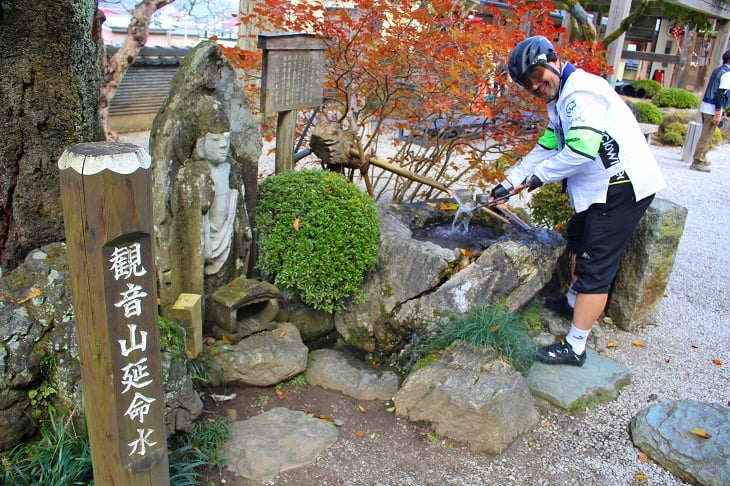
(531, 52)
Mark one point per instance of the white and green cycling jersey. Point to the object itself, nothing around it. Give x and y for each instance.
(592, 139)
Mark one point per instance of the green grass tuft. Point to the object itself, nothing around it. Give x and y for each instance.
(493, 326)
(62, 457)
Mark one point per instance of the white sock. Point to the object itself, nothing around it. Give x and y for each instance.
(577, 339)
(571, 296)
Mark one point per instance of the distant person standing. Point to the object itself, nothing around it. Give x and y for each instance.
(711, 109)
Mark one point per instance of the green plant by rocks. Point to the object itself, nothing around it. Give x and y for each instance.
(649, 86)
(676, 98)
(62, 455)
(174, 347)
(317, 236)
(550, 207)
(647, 112)
(39, 397)
(199, 449)
(494, 326)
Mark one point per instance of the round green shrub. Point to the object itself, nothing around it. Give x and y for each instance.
(676, 98)
(673, 134)
(317, 236)
(649, 86)
(550, 207)
(647, 112)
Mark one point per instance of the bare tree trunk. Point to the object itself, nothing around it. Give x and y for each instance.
(247, 33)
(50, 74)
(115, 68)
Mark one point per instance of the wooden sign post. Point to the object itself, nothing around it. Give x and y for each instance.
(106, 192)
(292, 78)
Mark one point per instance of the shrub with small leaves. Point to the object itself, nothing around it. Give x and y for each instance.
(676, 98)
(647, 113)
(649, 86)
(550, 207)
(317, 236)
(673, 134)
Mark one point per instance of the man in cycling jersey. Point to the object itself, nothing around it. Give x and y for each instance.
(593, 144)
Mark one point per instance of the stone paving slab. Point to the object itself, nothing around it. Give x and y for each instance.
(568, 386)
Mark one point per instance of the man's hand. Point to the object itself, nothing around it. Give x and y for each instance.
(532, 182)
(500, 193)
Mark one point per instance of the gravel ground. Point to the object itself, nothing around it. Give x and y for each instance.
(676, 361)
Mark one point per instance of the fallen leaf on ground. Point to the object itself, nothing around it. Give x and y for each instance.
(359, 433)
(466, 253)
(643, 457)
(641, 477)
(279, 394)
(693, 346)
(32, 293)
(717, 362)
(324, 417)
(611, 344)
(390, 409)
(638, 344)
(701, 433)
(296, 224)
(362, 409)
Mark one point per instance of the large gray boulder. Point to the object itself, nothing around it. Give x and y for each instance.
(416, 282)
(472, 396)
(665, 433)
(262, 359)
(646, 264)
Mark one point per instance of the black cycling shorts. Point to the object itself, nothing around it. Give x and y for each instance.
(599, 235)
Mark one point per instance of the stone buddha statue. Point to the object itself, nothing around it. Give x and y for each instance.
(220, 201)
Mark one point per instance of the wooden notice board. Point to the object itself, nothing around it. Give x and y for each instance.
(292, 78)
(293, 72)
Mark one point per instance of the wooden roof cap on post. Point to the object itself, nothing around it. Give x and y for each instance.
(283, 41)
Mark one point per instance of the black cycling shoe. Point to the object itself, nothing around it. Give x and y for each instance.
(560, 353)
(560, 306)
